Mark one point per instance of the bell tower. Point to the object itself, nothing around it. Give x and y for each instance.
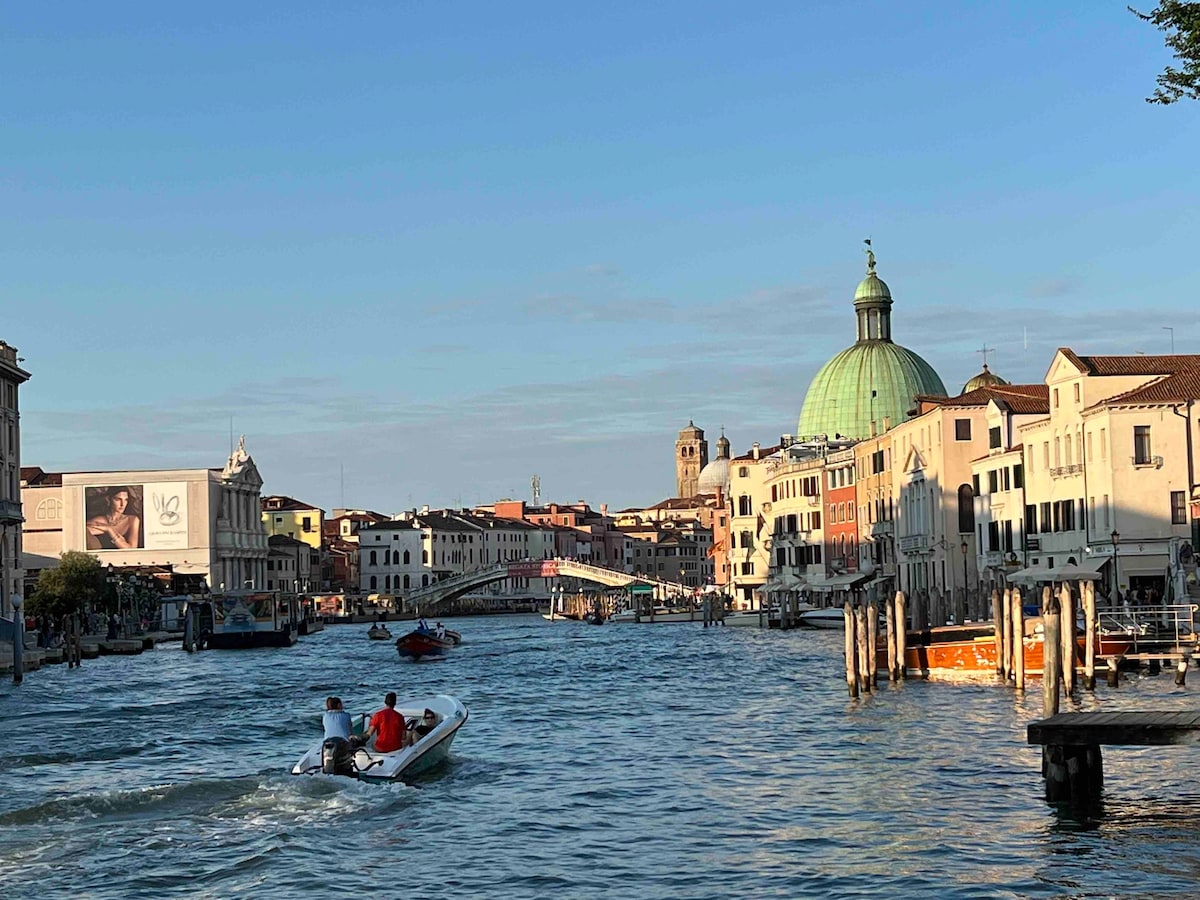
(691, 455)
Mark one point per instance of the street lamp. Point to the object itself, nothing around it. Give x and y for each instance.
(963, 546)
(1116, 539)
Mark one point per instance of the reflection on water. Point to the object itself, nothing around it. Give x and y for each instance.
(650, 761)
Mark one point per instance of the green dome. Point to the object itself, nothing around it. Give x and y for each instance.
(872, 288)
(839, 399)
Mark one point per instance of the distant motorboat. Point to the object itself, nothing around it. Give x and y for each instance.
(336, 757)
(833, 617)
(748, 618)
(379, 633)
(625, 615)
(417, 644)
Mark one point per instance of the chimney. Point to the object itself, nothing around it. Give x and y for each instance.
(425, 510)
(754, 450)
(887, 423)
(604, 509)
(785, 440)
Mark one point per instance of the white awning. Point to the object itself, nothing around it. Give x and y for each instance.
(837, 582)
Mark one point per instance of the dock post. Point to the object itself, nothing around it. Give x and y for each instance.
(890, 610)
(901, 636)
(864, 662)
(1087, 595)
(1006, 606)
(1051, 672)
(189, 630)
(851, 664)
(1181, 671)
(1113, 676)
(18, 640)
(872, 645)
(1066, 625)
(1018, 629)
(998, 632)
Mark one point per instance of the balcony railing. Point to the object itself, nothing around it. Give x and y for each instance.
(1064, 471)
(912, 543)
(879, 529)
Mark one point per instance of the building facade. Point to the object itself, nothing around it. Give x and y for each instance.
(12, 376)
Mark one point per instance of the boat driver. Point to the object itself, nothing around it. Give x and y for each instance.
(337, 722)
(387, 726)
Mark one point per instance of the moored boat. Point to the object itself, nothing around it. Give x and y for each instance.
(417, 644)
(367, 764)
(971, 649)
(832, 617)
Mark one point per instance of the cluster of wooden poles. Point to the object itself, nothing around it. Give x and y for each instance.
(862, 637)
(1061, 658)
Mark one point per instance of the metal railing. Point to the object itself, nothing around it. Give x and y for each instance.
(1152, 629)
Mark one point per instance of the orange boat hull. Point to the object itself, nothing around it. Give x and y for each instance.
(978, 655)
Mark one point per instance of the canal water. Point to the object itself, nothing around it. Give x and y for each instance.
(626, 761)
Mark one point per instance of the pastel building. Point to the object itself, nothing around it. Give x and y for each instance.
(293, 518)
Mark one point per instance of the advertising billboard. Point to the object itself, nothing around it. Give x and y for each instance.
(136, 517)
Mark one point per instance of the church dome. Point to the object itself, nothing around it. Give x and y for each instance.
(715, 476)
(986, 378)
(871, 381)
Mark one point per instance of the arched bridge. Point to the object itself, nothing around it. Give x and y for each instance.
(427, 599)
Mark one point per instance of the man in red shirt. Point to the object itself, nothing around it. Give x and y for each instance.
(387, 726)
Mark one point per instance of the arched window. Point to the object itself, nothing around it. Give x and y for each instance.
(966, 509)
(374, 562)
(374, 582)
(405, 581)
(387, 582)
(407, 560)
(424, 581)
(747, 540)
(425, 557)
(395, 557)
(744, 505)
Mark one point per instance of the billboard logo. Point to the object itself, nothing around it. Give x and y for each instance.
(167, 509)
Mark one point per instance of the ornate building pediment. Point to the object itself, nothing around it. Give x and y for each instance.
(240, 468)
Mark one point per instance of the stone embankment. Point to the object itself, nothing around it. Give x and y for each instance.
(92, 646)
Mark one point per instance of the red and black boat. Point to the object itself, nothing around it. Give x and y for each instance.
(417, 644)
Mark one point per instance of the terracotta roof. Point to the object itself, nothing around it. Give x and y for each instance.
(33, 475)
(278, 503)
(1179, 388)
(1133, 365)
(1033, 397)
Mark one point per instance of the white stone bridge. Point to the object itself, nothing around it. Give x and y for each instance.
(429, 600)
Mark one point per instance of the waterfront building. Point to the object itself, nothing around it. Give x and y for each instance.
(841, 512)
(999, 483)
(293, 566)
(393, 557)
(204, 525)
(12, 376)
(747, 554)
(294, 518)
(591, 535)
(691, 456)
(868, 387)
(672, 550)
(344, 524)
(1111, 468)
(875, 496)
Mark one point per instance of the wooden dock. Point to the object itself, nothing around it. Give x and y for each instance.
(1071, 759)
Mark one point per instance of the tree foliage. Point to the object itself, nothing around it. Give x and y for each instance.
(1180, 21)
(78, 581)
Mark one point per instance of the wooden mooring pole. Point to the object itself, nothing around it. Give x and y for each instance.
(1087, 596)
(1066, 634)
(1051, 671)
(901, 636)
(1006, 612)
(1018, 629)
(998, 632)
(851, 642)
(864, 651)
(890, 609)
(872, 644)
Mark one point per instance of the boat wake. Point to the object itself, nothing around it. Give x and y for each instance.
(253, 799)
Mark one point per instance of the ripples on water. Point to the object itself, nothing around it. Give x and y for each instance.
(647, 761)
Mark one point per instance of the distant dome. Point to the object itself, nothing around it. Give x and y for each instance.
(986, 378)
(872, 381)
(715, 476)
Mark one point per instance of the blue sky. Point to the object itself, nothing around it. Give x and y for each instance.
(442, 248)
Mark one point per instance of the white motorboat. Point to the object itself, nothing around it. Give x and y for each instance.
(832, 617)
(625, 615)
(748, 618)
(367, 764)
(379, 633)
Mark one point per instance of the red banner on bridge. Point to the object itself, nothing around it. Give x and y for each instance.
(546, 568)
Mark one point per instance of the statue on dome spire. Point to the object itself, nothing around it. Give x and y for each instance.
(870, 257)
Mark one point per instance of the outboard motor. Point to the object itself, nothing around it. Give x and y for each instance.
(337, 757)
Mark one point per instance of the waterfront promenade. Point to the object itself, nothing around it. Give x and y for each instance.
(618, 761)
